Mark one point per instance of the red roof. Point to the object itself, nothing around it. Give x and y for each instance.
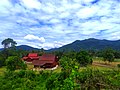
(40, 62)
(24, 58)
(47, 57)
(32, 55)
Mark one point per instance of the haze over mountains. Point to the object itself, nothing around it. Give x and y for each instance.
(86, 44)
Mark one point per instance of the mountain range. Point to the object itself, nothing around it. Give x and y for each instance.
(24, 47)
(87, 44)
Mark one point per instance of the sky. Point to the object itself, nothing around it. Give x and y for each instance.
(53, 23)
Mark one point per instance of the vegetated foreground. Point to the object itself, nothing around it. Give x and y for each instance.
(93, 77)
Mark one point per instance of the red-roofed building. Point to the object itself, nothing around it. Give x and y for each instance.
(46, 61)
(31, 57)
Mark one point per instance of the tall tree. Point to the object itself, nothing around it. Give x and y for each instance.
(108, 55)
(84, 58)
(8, 43)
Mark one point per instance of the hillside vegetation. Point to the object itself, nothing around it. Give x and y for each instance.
(89, 44)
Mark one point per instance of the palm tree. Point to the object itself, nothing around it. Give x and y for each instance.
(8, 43)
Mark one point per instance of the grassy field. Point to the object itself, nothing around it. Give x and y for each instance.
(100, 61)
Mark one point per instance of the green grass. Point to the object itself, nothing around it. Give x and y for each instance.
(117, 60)
(30, 66)
(58, 70)
(97, 59)
(96, 68)
(102, 68)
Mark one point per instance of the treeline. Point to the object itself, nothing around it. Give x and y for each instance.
(83, 57)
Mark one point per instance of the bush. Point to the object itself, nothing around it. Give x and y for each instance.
(83, 58)
(14, 62)
(118, 65)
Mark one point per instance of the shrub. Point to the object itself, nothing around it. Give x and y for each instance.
(83, 58)
(118, 65)
(14, 62)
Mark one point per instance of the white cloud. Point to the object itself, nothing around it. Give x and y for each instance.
(64, 14)
(58, 44)
(32, 37)
(4, 3)
(88, 1)
(54, 21)
(54, 44)
(47, 46)
(49, 23)
(87, 12)
(32, 4)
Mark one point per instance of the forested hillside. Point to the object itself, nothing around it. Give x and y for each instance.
(89, 44)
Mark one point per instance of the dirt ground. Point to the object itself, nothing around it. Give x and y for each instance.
(105, 64)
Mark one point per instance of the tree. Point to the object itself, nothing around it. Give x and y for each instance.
(108, 55)
(83, 58)
(117, 54)
(14, 62)
(68, 64)
(8, 43)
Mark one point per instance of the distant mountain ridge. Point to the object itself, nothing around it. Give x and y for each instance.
(24, 47)
(88, 44)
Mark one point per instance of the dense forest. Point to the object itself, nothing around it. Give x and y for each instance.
(75, 71)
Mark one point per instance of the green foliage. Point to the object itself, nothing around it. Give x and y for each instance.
(4, 54)
(84, 58)
(71, 54)
(68, 64)
(58, 53)
(2, 61)
(91, 79)
(117, 54)
(118, 65)
(108, 55)
(87, 79)
(14, 62)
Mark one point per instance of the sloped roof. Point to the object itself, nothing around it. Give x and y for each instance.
(47, 57)
(40, 62)
(24, 58)
(32, 55)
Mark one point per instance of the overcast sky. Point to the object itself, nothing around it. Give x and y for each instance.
(53, 23)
